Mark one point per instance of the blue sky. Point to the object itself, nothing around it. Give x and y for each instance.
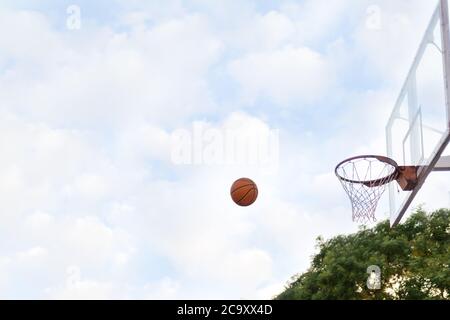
(93, 204)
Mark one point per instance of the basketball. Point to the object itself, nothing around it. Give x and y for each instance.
(244, 192)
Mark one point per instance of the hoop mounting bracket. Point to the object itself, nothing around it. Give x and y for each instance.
(407, 177)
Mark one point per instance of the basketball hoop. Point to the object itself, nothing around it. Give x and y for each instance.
(365, 178)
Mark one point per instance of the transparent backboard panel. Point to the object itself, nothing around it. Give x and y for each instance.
(418, 129)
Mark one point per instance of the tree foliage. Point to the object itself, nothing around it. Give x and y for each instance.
(414, 259)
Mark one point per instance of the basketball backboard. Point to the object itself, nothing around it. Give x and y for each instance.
(418, 130)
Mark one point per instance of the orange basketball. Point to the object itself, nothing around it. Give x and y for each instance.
(244, 192)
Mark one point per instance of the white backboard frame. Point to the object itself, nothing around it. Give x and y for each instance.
(435, 162)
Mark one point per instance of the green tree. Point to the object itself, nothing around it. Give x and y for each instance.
(414, 259)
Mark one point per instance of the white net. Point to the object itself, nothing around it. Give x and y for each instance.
(365, 179)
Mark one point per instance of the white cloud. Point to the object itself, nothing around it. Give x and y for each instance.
(270, 291)
(143, 143)
(90, 185)
(262, 32)
(163, 289)
(80, 289)
(287, 75)
(33, 253)
(114, 78)
(24, 45)
(315, 20)
(390, 50)
(4, 276)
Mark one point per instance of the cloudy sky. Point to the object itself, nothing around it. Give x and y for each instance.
(124, 123)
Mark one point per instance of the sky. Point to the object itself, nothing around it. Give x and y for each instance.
(124, 123)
